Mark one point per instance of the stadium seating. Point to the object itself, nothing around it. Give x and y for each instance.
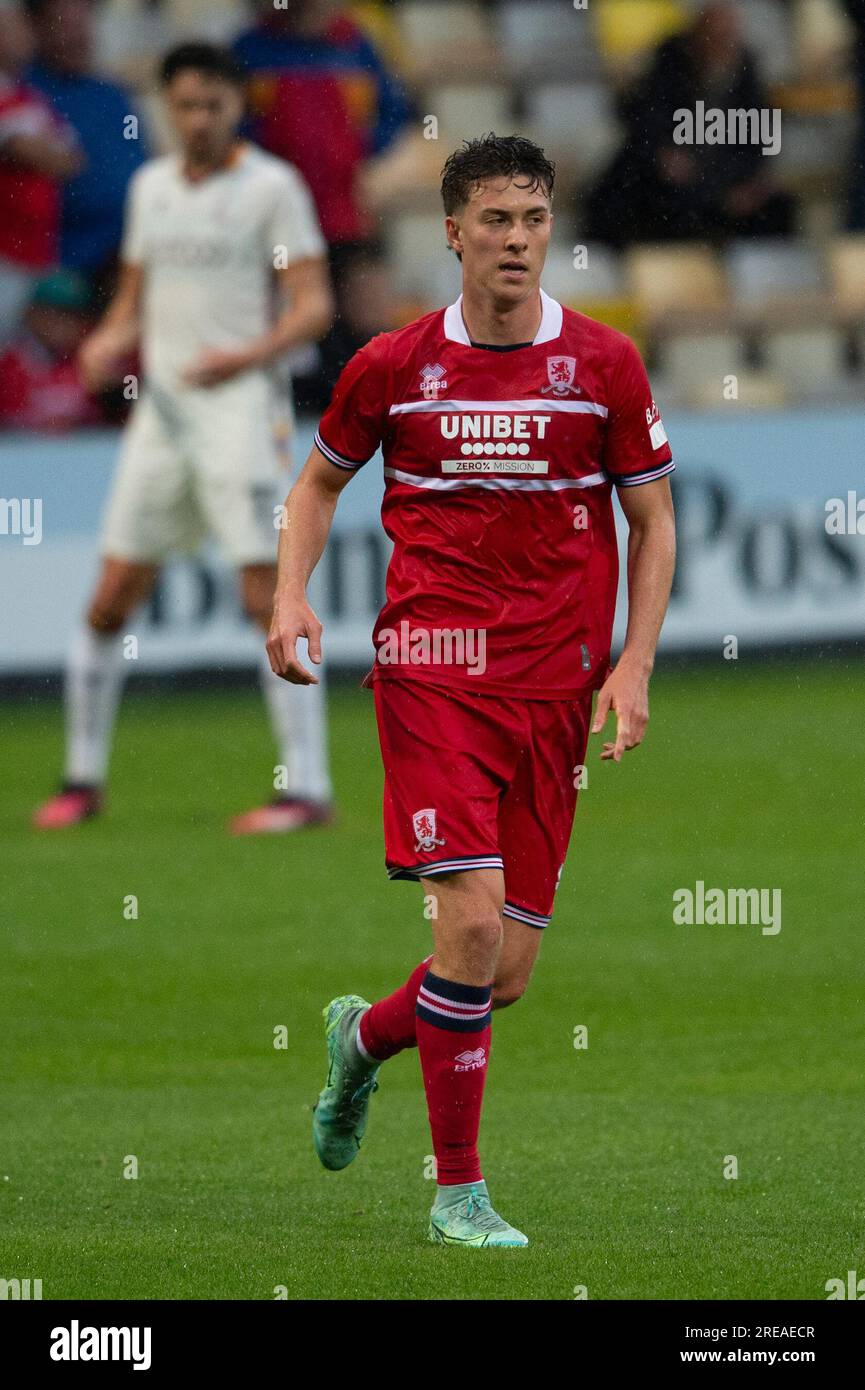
(418, 255)
(847, 277)
(767, 31)
(452, 39)
(551, 71)
(808, 360)
(576, 124)
(629, 30)
(674, 284)
(469, 109)
(547, 39)
(775, 282)
(700, 361)
(216, 21)
(821, 35)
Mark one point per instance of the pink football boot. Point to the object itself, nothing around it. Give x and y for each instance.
(70, 806)
(281, 815)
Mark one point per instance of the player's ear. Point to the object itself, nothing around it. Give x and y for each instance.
(452, 233)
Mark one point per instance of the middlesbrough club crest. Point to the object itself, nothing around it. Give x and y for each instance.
(424, 823)
(560, 375)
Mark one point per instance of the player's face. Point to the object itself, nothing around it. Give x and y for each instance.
(206, 112)
(503, 233)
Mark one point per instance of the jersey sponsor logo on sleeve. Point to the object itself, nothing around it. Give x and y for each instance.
(657, 433)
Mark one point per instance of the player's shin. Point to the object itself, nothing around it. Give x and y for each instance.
(390, 1025)
(297, 717)
(94, 677)
(453, 1036)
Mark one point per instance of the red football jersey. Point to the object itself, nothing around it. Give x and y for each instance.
(499, 468)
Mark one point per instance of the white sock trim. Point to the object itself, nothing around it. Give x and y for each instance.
(358, 1042)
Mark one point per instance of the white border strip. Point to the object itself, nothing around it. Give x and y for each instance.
(507, 480)
(449, 407)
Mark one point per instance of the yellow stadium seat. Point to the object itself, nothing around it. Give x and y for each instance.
(823, 35)
(680, 280)
(629, 29)
(847, 276)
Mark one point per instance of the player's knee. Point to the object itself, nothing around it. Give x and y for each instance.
(105, 616)
(482, 932)
(260, 612)
(257, 600)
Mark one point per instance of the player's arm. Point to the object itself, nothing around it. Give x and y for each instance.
(46, 152)
(304, 288)
(306, 523)
(102, 354)
(651, 561)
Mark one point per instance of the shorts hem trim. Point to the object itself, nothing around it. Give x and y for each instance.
(522, 914)
(446, 866)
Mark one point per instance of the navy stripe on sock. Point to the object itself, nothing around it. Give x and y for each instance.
(458, 1008)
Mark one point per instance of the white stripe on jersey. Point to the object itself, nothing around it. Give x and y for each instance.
(450, 407)
(505, 480)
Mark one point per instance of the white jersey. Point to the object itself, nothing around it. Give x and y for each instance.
(208, 250)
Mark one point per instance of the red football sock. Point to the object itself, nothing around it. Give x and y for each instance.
(389, 1026)
(454, 1029)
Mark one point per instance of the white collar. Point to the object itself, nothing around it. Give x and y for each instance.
(551, 322)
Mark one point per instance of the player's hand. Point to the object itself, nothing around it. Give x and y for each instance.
(100, 360)
(217, 365)
(626, 693)
(289, 622)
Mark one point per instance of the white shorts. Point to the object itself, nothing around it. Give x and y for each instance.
(201, 462)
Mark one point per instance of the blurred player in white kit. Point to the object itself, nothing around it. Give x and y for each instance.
(223, 272)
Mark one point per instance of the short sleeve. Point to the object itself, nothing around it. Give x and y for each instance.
(293, 221)
(132, 246)
(637, 449)
(352, 427)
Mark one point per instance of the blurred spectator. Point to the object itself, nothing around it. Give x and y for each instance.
(856, 191)
(40, 385)
(321, 98)
(370, 307)
(104, 119)
(656, 190)
(36, 150)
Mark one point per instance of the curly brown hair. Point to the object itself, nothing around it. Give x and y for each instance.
(494, 156)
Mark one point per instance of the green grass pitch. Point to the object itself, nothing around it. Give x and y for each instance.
(153, 1037)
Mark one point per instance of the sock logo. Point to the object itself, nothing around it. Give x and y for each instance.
(470, 1061)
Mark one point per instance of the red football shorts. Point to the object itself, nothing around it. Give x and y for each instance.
(477, 781)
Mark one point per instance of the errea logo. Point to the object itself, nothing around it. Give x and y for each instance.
(470, 1061)
(432, 380)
